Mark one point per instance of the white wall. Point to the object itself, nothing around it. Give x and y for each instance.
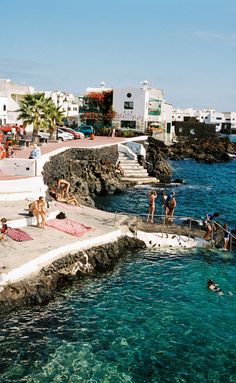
(3, 110)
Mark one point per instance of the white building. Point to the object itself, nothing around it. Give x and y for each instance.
(3, 110)
(142, 109)
(67, 102)
(13, 93)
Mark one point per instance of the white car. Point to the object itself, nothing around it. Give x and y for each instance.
(61, 136)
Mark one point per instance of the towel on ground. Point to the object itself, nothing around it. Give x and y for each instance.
(18, 235)
(69, 226)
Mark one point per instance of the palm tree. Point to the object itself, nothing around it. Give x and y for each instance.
(32, 111)
(41, 112)
(53, 117)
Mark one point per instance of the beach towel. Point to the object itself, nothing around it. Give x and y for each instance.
(69, 226)
(18, 235)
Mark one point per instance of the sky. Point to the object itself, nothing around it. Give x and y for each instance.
(185, 47)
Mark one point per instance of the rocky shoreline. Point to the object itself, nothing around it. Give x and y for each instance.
(41, 288)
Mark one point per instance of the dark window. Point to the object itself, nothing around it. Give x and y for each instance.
(128, 105)
(74, 108)
(128, 124)
(4, 107)
(219, 118)
(129, 95)
(69, 108)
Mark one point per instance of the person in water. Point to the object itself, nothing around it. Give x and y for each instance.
(212, 286)
(151, 208)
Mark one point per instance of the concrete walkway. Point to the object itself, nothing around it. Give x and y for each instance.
(18, 260)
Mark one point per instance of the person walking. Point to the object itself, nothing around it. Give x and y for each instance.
(151, 207)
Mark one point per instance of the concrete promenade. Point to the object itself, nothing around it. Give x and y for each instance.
(19, 260)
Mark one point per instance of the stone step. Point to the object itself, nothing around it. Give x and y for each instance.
(134, 167)
(135, 174)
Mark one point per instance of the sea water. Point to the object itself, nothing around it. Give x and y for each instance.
(150, 319)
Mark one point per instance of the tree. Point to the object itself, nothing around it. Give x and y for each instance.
(53, 117)
(41, 112)
(98, 107)
(32, 111)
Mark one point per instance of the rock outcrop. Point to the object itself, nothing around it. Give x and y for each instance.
(89, 171)
(156, 164)
(41, 288)
(208, 150)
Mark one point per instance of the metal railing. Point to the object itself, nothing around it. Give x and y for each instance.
(231, 236)
(183, 222)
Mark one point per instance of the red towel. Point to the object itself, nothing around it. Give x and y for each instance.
(18, 235)
(69, 226)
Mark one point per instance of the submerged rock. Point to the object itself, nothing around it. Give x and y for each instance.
(40, 289)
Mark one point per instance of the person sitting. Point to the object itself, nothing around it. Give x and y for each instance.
(212, 286)
(9, 151)
(38, 209)
(4, 228)
(63, 188)
(209, 224)
(119, 169)
(35, 152)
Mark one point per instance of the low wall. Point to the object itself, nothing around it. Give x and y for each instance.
(18, 167)
(22, 188)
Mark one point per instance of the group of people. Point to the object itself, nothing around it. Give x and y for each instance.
(209, 225)
(168, 205)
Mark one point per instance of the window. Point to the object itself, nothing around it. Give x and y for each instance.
(218, 118)
(69, 108)
(128, 105)
(75, 109)
(129, 95)
(4, 107)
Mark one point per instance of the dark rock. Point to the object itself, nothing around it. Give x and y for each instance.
(41, 288)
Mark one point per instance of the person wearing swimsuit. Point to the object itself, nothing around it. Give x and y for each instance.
(151, 208)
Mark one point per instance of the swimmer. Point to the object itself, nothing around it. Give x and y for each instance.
(212, 286)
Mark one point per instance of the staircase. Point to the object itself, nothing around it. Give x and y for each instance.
(133, 171)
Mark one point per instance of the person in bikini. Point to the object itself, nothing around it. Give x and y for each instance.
(209, 224)
(63, 188)
(151, 208)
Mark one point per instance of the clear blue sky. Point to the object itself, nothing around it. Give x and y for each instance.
(185, 47)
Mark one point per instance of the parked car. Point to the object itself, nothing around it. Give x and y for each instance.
(61, 136)
(76, 135)
(85, 129)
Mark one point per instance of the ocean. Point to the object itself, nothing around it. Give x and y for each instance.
(151, 319)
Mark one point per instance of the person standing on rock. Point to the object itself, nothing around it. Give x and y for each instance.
(151, 208)
(170, 205)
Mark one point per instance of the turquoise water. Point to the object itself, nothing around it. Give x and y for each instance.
(206, 188)
(149, 320)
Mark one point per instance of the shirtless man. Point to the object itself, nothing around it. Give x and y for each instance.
(38, 208)
(151, 208)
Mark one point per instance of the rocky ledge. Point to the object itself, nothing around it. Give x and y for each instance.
(212, 149)
(41, 288)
